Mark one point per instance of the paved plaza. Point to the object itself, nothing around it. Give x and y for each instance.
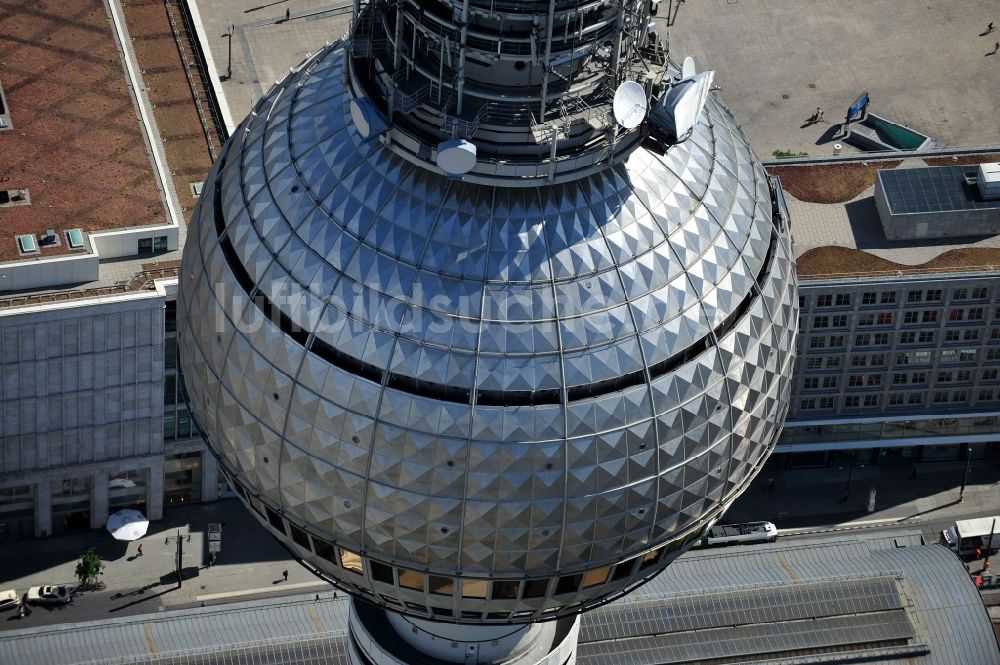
(264, 43)
(922, 61)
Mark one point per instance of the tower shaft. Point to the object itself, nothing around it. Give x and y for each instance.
(526, 81)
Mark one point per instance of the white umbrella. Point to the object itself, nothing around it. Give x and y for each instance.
(128, 524)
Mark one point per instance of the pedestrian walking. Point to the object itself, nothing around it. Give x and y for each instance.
(989, 28)
(288, 14)
(996, 47)
(820, 112)
(139, 553)
(284, 574)
(317, 597)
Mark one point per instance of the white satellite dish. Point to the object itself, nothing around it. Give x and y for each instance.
(687, 69)
(630, 104)
(367, 119)
(691, 101)
(678, 112)
(456, 157)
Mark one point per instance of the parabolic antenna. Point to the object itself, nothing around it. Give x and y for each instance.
(456, 157)
(679, 110)
(687, 69)
(366, 118)
(630, 104)
(691, 101)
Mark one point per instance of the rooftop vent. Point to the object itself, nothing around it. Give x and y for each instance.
(49, 238)
(14, 197)
(988, 181)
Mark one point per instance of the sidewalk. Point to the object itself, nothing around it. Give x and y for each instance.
(250, 564)
(815, 497)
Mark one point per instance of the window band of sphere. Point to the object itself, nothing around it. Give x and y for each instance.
(637, 568)
(439, 391)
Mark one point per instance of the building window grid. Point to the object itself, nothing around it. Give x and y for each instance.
(919, 356)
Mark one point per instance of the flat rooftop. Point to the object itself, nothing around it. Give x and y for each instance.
(76, 145)
(933, 189)
(838, 233)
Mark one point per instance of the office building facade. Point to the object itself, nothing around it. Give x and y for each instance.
(93, 416)
(896, 368)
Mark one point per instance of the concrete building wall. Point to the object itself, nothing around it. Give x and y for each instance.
(81, 412)
(81, 384)
(881, 351)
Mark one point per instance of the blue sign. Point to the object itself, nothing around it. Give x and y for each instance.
(858, 107)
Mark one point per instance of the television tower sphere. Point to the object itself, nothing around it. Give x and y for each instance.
(472, 349)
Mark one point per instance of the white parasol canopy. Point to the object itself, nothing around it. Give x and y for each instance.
(128, 524)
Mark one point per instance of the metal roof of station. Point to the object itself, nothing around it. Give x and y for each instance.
(881, 599)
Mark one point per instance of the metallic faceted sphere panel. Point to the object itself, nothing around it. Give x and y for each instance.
(445, 395)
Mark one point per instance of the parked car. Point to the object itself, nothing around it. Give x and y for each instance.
(9, 599)
(50, 595)
(737, 534)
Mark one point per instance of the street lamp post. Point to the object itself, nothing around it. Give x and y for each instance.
(229, 63)
(179, 557)
(850, 473)
(965, 477)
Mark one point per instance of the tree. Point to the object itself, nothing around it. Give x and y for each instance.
(88, 568)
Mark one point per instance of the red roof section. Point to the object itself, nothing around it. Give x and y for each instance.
(77, 144)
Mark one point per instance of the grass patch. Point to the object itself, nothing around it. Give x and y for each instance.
(785, 154)
(829, 183)
(829, 261)
(959, 160)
